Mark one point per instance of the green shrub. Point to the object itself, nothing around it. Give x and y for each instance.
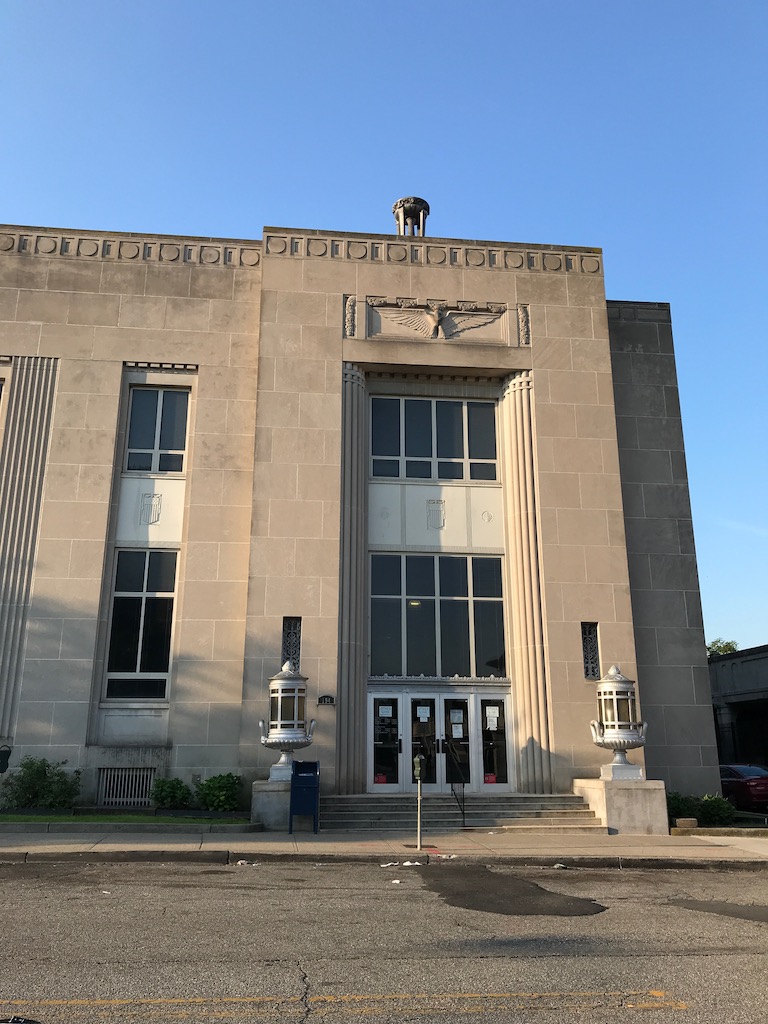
(38, 782)
(219, 793)
(171, 793)
(715, 812)
(710, 811)
(679, 806)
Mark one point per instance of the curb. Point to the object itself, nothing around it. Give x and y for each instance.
(143, 828)
(230, 857)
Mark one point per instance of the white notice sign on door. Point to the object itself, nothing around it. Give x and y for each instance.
(422, 712)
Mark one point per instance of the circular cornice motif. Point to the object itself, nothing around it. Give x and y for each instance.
(397, 252)
(475, 258)
(512, 260)
(87, 247)
(169, 253)
(590, 264)
(357, 250)
(6, 242)
(249, 257)
(552, 262)
(129, 250)
(435, 255)
(317, 247)
(209, 255)
(46, 244)
(276, 245)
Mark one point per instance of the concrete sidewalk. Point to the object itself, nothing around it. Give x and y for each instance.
(497, 846)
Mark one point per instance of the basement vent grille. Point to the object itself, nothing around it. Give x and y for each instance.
(125, 787)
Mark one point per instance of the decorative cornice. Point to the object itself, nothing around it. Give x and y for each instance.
(432, 253)
(233, 255)
(164, 367)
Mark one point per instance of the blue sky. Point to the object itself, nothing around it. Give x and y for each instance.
(634, 125)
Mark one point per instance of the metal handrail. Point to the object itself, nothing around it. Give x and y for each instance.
(457, 788)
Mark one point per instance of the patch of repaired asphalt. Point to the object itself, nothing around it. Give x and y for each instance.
(475, 887)
(724, 909)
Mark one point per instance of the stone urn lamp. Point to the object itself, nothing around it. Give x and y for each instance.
(287, 721)
(617, 727)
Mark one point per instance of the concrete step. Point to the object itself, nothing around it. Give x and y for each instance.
(440, 812)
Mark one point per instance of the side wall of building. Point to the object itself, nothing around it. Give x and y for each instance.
(84, 314)
(672, 659)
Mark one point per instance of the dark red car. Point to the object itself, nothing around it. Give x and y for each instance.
(745, 785)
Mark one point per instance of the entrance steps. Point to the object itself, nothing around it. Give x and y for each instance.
(514, 812)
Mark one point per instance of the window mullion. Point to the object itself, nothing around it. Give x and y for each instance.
(438, 619)
(471, 618)
(158, 421)
(403, 620)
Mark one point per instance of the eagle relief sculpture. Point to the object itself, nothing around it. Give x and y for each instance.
(436, 320)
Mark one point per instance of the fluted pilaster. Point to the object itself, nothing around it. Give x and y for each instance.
(22, 471)
(351, 700)
(531, 703)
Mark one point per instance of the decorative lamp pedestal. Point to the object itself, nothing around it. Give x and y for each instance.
(629, 807)
(621, 769)
(270, 803)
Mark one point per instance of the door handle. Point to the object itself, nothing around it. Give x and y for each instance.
(399, 744)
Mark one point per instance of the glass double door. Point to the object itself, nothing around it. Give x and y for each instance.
(461, 738)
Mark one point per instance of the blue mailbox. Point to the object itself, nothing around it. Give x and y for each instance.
(305, 792)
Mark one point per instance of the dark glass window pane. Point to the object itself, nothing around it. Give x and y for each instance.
(386, 745)
(450, 430)
(453, 576)
(420, 638)
(385, 426)
(418, 429)
(124, 638)
(136, 689)
(139, 461)
(156, 639)
(130, 572)
(143, 421)
(489, 639)
(481, 428)
(419, 575)
(161, 577)
(457, 768)
(418, 470)
(482, 471)
(386, 467)
(173, 421)
(494, 741)
(386, 639)
(486, 577)
(454, 638)
(170, 463)
(450, 471)
(385, 574)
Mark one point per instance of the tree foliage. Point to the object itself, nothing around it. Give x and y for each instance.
(720, 646)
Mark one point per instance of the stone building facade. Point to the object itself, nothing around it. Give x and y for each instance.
(446, 476)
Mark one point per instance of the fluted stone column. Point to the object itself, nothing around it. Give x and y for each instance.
(352, 691)
(22, 471)
(530, 692)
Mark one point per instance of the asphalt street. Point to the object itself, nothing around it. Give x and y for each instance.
(448, 942)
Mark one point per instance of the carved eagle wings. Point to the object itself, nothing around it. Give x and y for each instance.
(438, 321)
